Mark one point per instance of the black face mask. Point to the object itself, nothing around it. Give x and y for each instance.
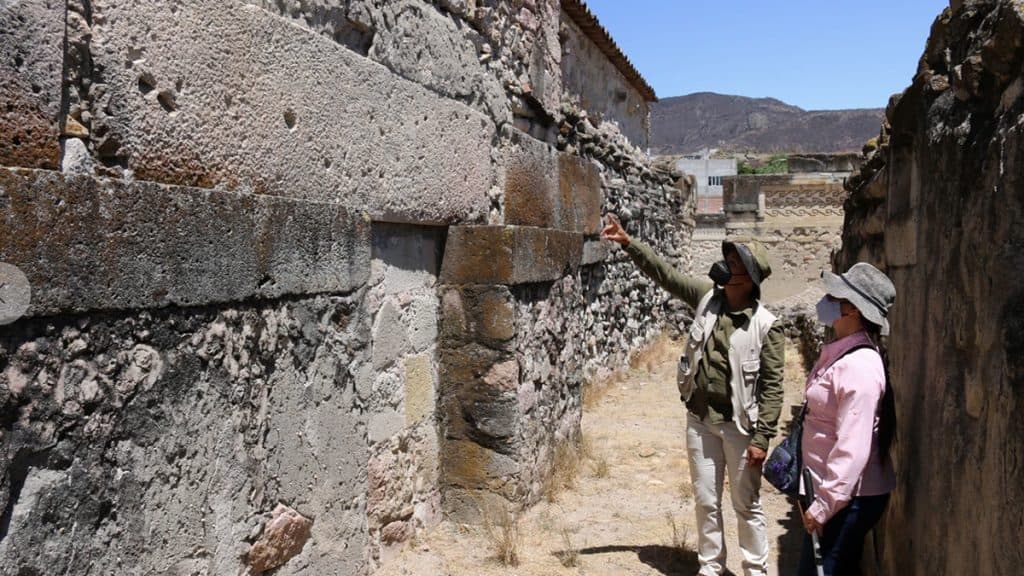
(720, 273)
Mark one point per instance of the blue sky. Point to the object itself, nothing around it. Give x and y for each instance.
(821, 54)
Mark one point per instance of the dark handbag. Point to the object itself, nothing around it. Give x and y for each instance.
(782, 468)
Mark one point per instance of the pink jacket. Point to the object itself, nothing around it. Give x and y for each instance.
(840, 438)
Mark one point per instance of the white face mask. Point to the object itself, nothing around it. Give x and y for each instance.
(828, 311)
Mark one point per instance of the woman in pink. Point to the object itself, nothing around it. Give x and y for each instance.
(849, 423)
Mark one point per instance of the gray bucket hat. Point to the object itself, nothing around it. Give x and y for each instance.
(867, 288)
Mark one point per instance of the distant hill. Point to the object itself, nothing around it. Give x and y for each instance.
(685, 124)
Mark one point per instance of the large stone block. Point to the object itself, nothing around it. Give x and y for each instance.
(509, 254)
(548, 189)
(484, 314)
(531, 181)
(469, 465)
(419, 388)
(595, 251)
(224, 93)
(184, 428)
(31, 60)
(398, 33)
(462, 370)
(90, 243)
(478, 396)
(579, 185)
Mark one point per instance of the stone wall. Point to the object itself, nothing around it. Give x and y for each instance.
(404, 491)
(299, 270)
(810, 163)
(938, 205)
(533, 310)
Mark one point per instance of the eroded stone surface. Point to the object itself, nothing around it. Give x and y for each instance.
(90, 243)
(548, 189)
(509, 254)
(31, 60)
(142, 437)
(946, 178)
(277, 109)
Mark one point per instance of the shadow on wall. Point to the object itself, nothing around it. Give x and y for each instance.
(410, 247)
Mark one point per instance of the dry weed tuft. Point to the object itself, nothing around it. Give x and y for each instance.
(595, 391)
(678, 546)
(586, 447)
(564, 470)
(588, 451)
(502, 528)
(569, 555)
(686, 489)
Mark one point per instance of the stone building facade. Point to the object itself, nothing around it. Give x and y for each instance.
(306, 276)
(938, 204)
(601, 77)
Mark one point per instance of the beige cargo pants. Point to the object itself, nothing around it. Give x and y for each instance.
(714, 449)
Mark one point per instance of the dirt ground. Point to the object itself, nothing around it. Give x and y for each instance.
(630, 508)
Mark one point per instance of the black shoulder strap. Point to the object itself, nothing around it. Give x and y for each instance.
(803, 410)
(855, 348)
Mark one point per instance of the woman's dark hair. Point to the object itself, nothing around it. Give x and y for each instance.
(887, 418)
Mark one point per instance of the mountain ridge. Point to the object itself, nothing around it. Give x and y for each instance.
(688, 123)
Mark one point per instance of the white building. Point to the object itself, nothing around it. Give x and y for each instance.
(708, 173)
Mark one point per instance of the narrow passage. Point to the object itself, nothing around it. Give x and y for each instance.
(630, 508)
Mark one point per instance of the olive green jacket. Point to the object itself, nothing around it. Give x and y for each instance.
(712, 397)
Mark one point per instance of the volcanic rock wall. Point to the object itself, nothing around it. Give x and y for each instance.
(304, 277)
(939, 205)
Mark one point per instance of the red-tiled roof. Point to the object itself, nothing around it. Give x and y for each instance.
(585, 19)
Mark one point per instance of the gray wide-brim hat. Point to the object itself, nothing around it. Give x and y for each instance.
(867, 288)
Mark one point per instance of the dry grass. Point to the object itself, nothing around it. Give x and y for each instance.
(678, 545)
(595, 391)
(586, 448)
(678, 540)
(569, 555)
(564, 470)
(660, 348)
(686, 489)
(648, 358)
(502, 528)
(597, 461)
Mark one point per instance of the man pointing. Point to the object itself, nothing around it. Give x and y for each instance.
(731, 381)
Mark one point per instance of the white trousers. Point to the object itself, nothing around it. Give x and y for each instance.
(714, 449)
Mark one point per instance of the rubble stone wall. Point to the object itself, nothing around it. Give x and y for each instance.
(304, 276)
(535, 309)
(938, 205)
